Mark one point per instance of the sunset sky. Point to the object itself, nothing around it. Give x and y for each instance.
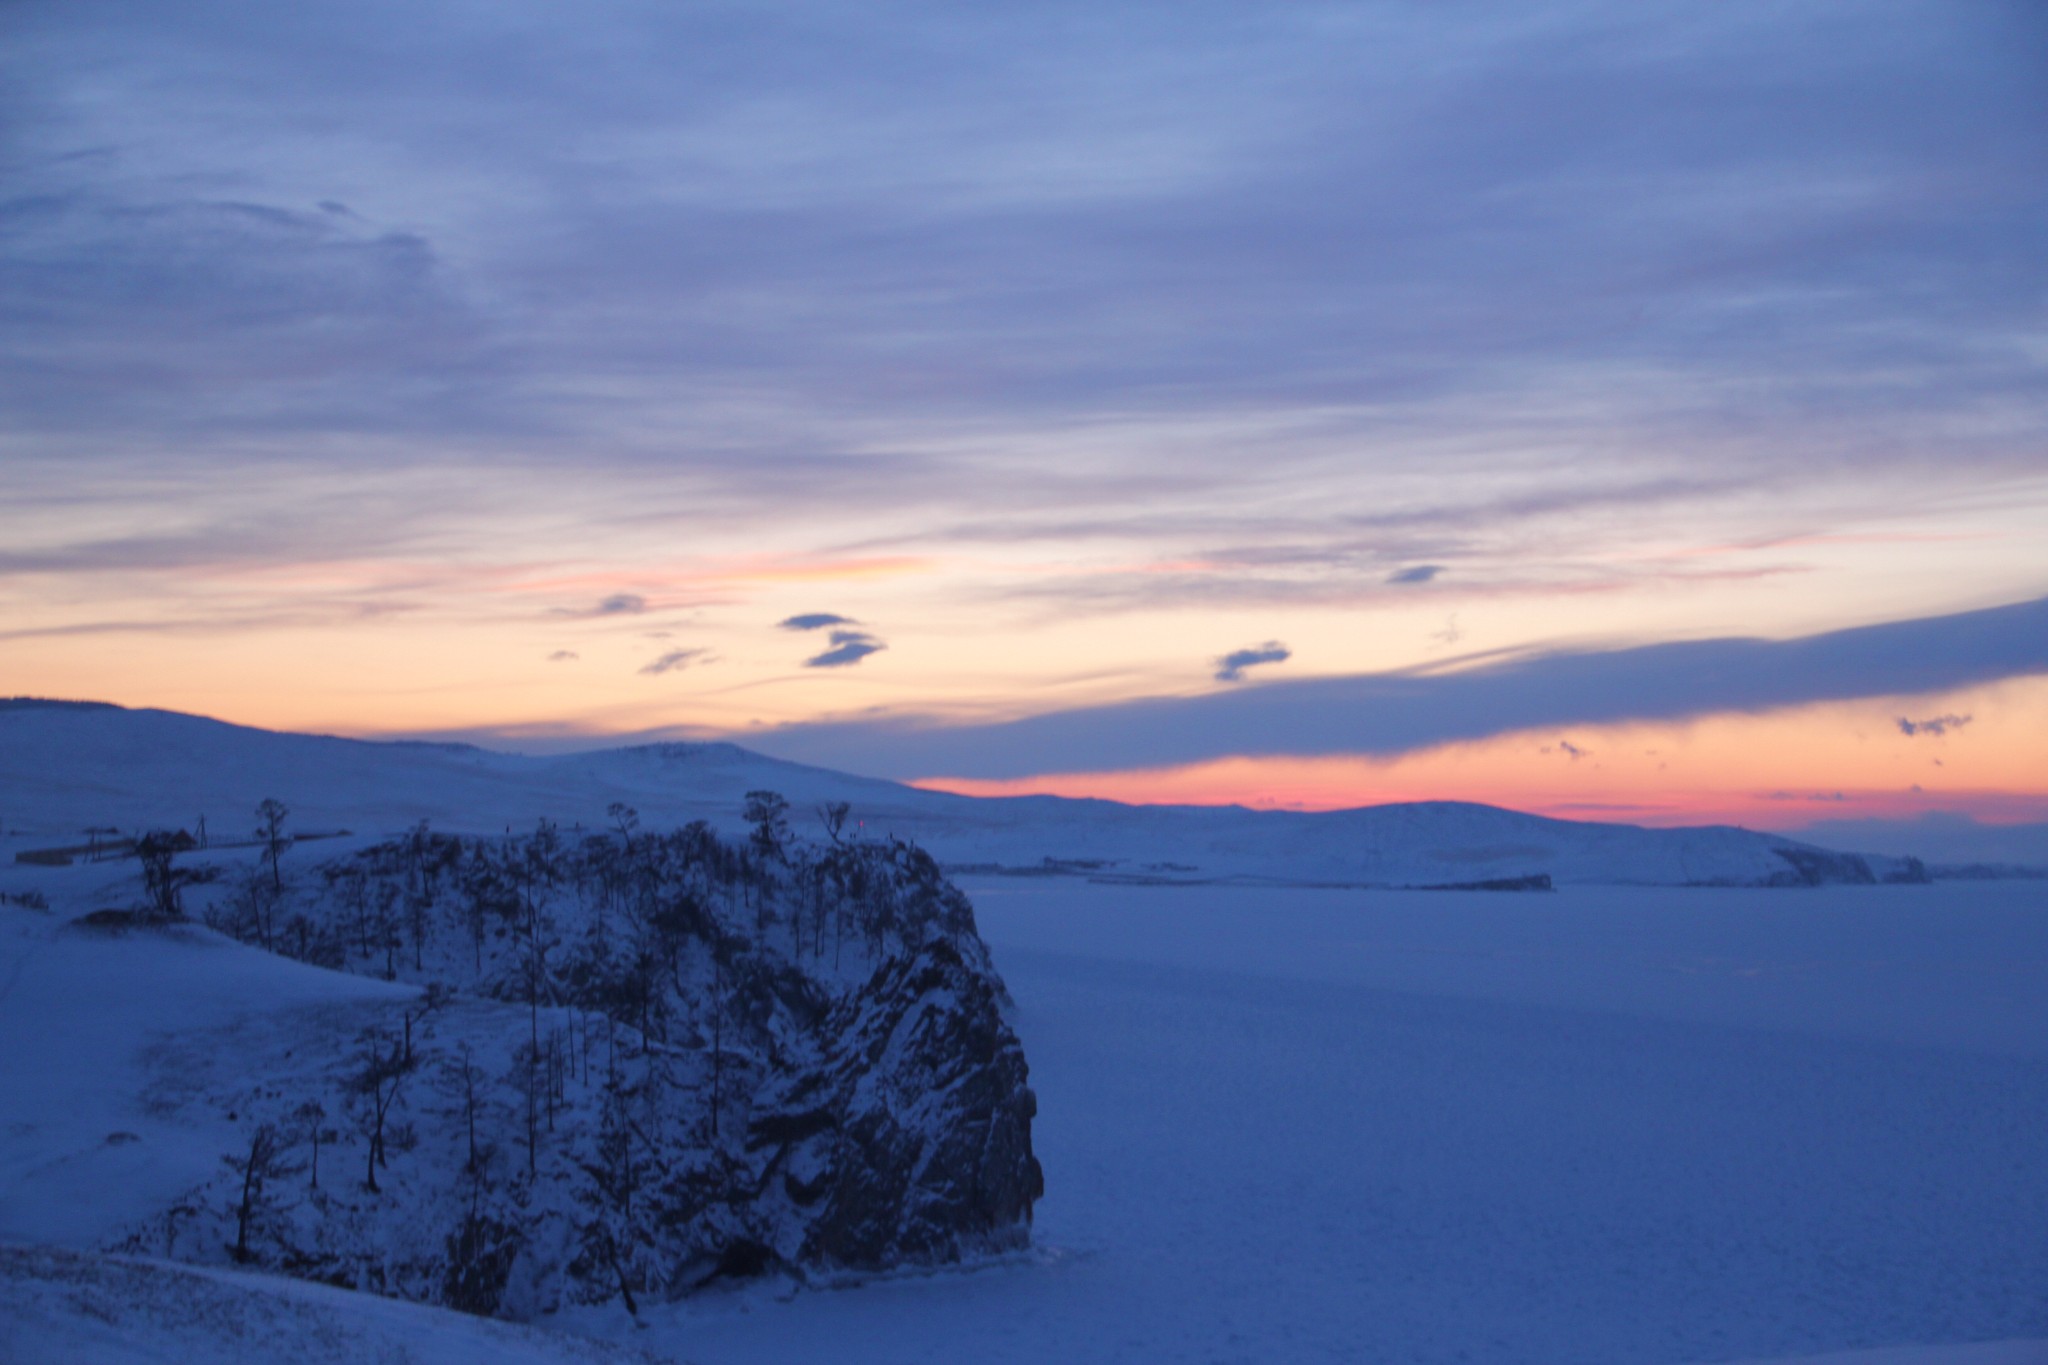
(1612, 410)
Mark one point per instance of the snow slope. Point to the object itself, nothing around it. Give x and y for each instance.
(65, 767)
(82, 1151)
(67, 1308)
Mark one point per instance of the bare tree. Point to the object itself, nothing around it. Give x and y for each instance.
(385, 926)
(258, 905)
(465, 1069)
(380, 1075)
(256, 1168)
(718, 1003)
(624, 819)
(768, 813)
(162, 883)
(270, 816)
(312, 1119)
(616, 1176)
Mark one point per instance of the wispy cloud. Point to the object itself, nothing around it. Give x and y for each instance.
(676, 659)
(1419, 573)
(563, 656)
(1231, 667)
(614, 604)
(1933, 725)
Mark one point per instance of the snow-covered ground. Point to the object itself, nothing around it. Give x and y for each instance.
(1607, 1125)
(1637, 1126)
(64, 1308)
(84, 1014)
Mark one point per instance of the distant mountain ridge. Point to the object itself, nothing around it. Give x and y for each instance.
(66, 766)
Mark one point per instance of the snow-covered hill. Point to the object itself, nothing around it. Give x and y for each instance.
(66, 766)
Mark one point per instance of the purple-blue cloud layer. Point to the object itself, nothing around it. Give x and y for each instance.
(1029, 211)
(1398, 712)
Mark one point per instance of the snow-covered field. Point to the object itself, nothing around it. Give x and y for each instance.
(1601, 1126)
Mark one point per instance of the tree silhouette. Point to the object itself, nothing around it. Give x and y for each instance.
(162, 883)
(270, 816)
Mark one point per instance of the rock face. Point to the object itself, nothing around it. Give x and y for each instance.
(1821, 867)
(915, 1141)
(644, 1064)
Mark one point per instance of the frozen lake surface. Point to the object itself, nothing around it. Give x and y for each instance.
(1610, 1125)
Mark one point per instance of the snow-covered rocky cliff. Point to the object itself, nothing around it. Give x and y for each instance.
(638, 1062)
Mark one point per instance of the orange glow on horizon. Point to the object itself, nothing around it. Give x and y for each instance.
(1782, 769)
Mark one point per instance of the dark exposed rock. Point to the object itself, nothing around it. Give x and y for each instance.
(1819, 867)
(924, 1151)
(1909, 872)
(480, 1257)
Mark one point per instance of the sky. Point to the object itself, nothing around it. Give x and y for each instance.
(1634, 411)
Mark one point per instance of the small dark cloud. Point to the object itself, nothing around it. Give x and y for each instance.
(1933, 725)
(675, 659)
(1231, 667)
(1568, 749)
(848, 647)
(563, 656)
(1418, 573)
(816, 620)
